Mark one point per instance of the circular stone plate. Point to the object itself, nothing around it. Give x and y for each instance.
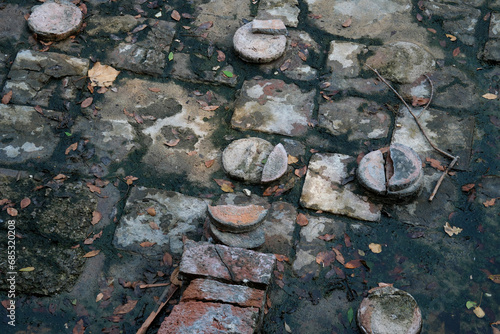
(258, 48)
(243, 158)
(249, 240)
(387, 310)
(276, 164)
(55, 21)
(237, 219)
(371, 172)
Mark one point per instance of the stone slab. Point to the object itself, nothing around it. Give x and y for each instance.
(175, 215)
(26, 135)
(323, 189)
(360, 119)
(370, 87)
(35, 76)
(230, 264)
(209, 318)
(185, 68)
(288, 11)
(494, 31)
(343, 58)
(273, 106)
(207, 290)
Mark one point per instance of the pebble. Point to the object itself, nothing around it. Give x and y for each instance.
(55, 21)
(258, 48)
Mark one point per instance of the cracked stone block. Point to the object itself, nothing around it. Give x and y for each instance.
(323, 189)
(273, 106)
(35, 76)
(285, 10)
(210, 318)
(343, 58)
(237, 265)
(257, 47)
(176, 215)
(389, 310)
(55, 21)
(207, 290)
(356, 117)
(26, 134)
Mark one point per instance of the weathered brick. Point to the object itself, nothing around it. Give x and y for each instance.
(227, 263)
(209, 318)
(214, 291)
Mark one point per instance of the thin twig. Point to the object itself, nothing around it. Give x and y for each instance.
(432, 93)
(144, 286)
(172, 288)
(438, 184)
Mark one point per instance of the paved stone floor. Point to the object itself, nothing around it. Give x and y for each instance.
(107, 179)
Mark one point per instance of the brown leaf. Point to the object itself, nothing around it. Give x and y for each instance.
(93, 188)
(281, 257)
(153, 225)
(419, 101)
(353, 264)
(60, 177)
(432, 30)
(285, 65)
(102, 75)
(338, 256)
(451, 37)
(456, 52)
(419, 17)
(126, 308)
(99, 297)
(96, 217)
(302, 219)
(154, 89)
(167, 259)
(490, 96)
(71, 147)
(301, 171)
(210, 108)
(327, 237)
(226, 188)
(146, 244)
(172, 142)
(87, 102)
(302, 56)
(478, 311)
(220, 56)
(25, 202)
(130, 179)
(92, 253)
(174, 277)
(347, 240)
(138, 118)
(435, 163)
(489, 202)
(291, 159)
(139, 28)
(205, 25)
(339, 272)
(79, 327)
(347, 23)
(12, 212)
(468, 187)
(175, 15)
(6, 98)
(495, 278)
(209, 163)
(450, 230)
(375, 248)
(222, 182)
(270, 190)
(39, 109)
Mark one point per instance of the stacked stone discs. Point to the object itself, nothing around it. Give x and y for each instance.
(398, 174)
(238, 226)
(55, 21)
(260, 41)
(388, 310)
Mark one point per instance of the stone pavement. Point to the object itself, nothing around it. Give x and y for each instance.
(113, 184)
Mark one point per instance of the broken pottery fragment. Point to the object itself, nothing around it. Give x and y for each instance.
(248, 240)
(395, 172)
(389, 310)
(276, 164)
(55, 21)
(258, 48)
(237, 219)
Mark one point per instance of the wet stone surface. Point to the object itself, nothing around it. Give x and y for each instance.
(272, 106)
(287, 11)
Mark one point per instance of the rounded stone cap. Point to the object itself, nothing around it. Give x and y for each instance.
(237, 219)
(249, 240)
(257, 47)
(276, 164)
(55, 21)
(388, 310)
(244, 158)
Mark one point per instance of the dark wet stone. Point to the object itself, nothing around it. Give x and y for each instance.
(355, 86)
(12, 23)
(356, 117)
(243, 158)
(35, 76)
(492, 50)
(54, 21)
(389, 310)
(183, 69)
(343, 58)
(250, 240)
(407, 167)
(258, 48)
(494, 31)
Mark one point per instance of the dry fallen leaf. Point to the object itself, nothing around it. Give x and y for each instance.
(451, 37)
(60, 177)
(301, 171)
(435, 163)
(468, 187)
(93, 188)
(102, 75)
(167, 259)
(172, 142)
(92, 253)
(292, 159)
(281, 257)
(100, 295)
(456, 52)
(96, 217)
(27, 269)
(353, 264)
(71, 147)
(210, 108)
(478, 311)
(495, 278)
(6, 98)
(79, 327)
(347, 23)
(130, 179)
(154, 89)
(87, 102)
(209, 163)
(285, 65)
(151, 211)
(175, 15)
(375, 248)
(147, 244)
(302, 56)
(490, 96)
(338, 256)
(123, 309)
(220, 56)
(12, 212)
(450, 230)
(302, 219)
(25, 202)
(153, 225)
(327, 237)
(226, 188)
(489, 202)
(174, 277)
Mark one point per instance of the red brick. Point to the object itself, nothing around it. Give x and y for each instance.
(209, 318)
(202, 259)
(213, 291)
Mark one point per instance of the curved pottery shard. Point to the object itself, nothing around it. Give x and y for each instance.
(237, 219)
(276, 164)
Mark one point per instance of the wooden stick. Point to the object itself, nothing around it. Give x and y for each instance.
(438, 184)
(144, 286)
(173, 288)
(432, 92)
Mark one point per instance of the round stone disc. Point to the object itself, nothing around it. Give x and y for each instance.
(249, 240)
(244, 158)
(276, 164)
(55, 21)
(387, 310)
(237, 219)
(407, 167)
(371, 172)
(256, 47)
